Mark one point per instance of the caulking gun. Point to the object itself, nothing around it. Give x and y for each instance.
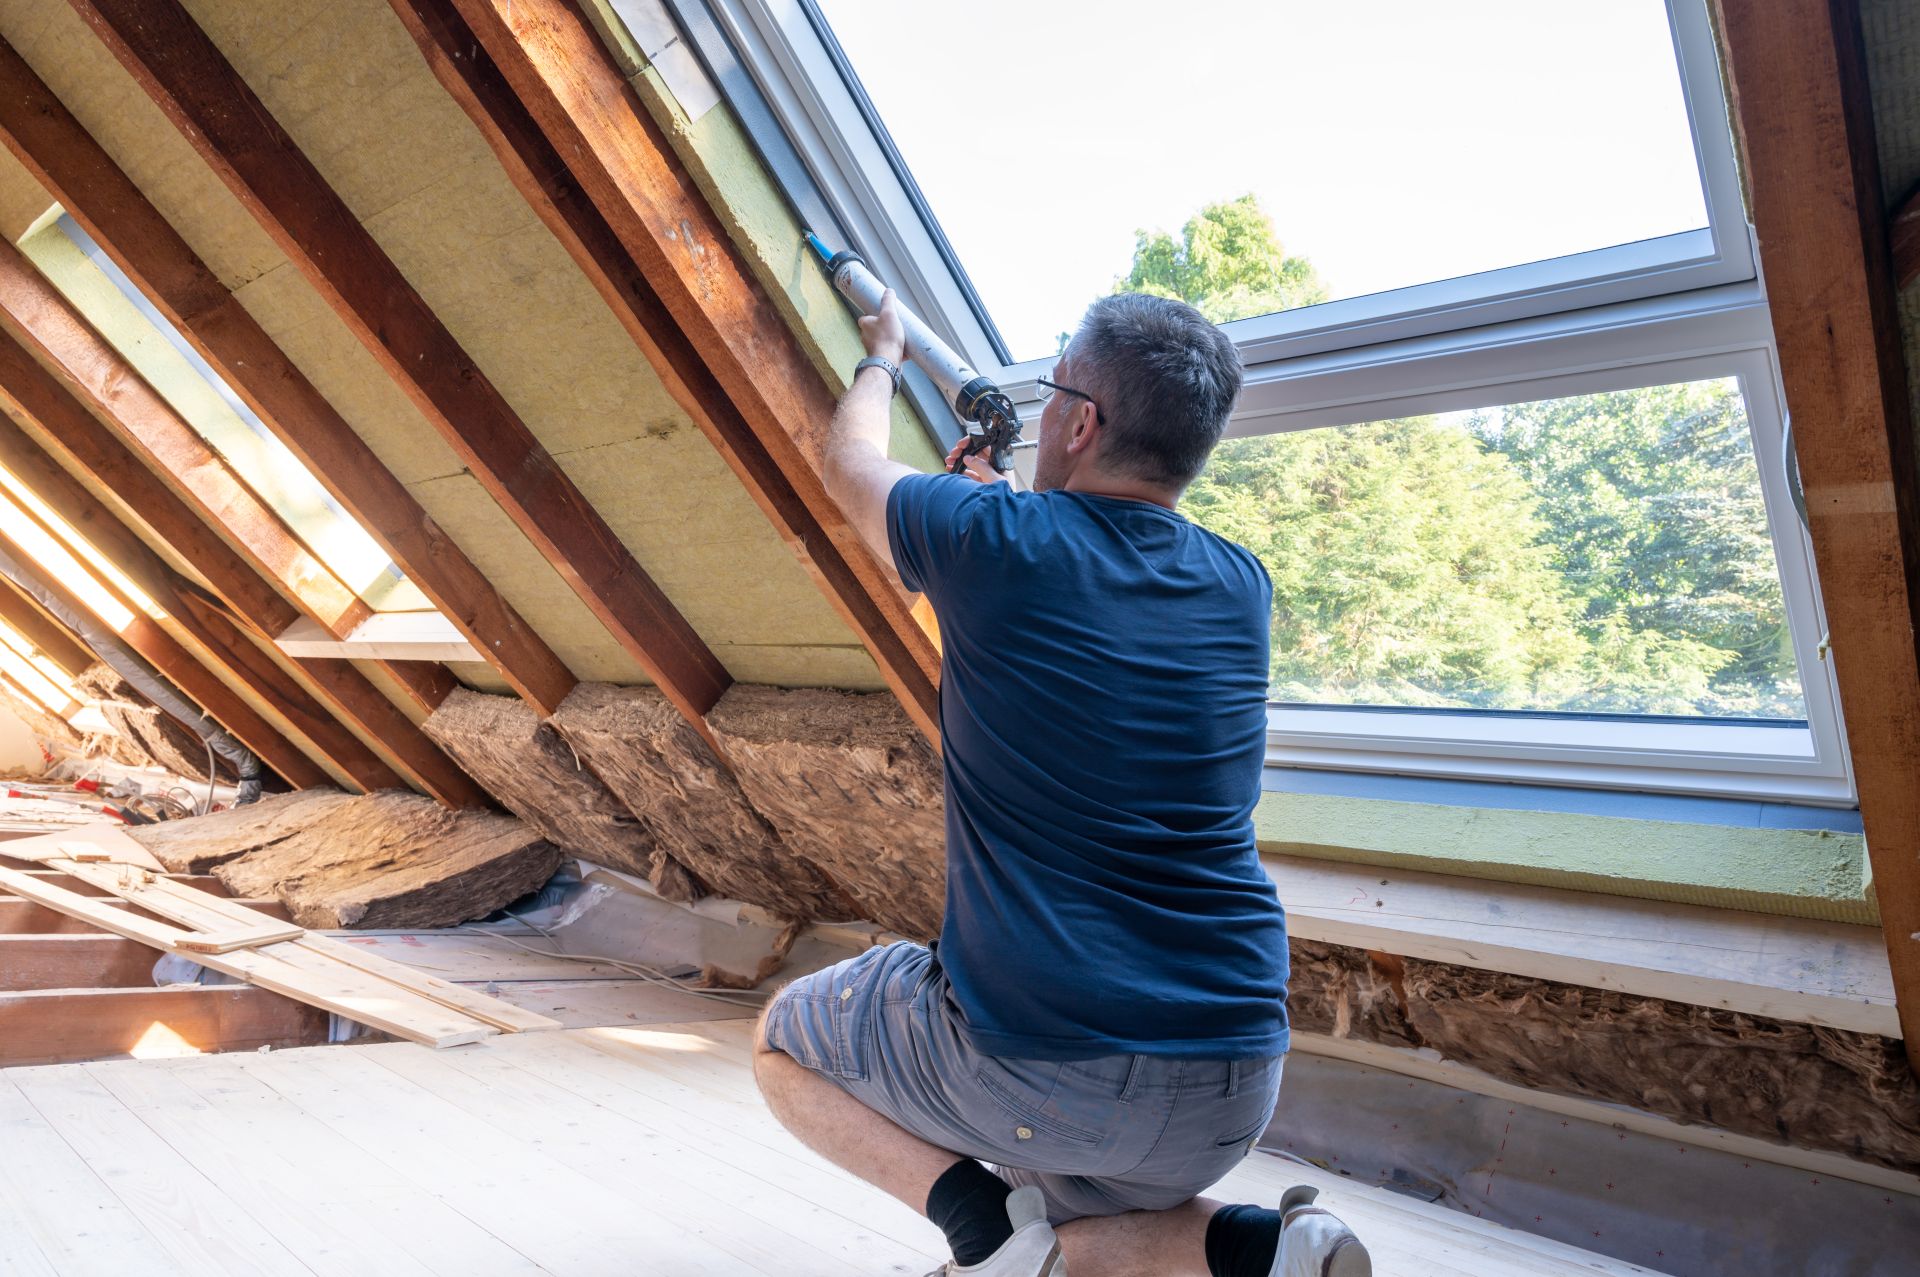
(993, 427)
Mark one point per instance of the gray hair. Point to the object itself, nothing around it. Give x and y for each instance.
(1165, 379)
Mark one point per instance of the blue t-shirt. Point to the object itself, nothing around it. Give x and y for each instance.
(1103, 716)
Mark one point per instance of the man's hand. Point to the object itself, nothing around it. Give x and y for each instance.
(882, 333)
(978, 468)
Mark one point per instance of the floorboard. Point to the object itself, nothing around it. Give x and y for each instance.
(615, 1150)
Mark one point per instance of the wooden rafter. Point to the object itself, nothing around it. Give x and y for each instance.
(44, 136)
(161, 650)
(322, 692)
(29, 393)
(1806, 128)
(60, 337)
(188, 77)
(55, 641)
(216, 648)
(537, 82)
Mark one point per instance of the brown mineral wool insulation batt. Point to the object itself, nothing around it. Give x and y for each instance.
(59, 732)
(524, 763)
(394, 859)
(150, 731)
(851, 785)
(1805, 1085)
(661, 770)
(198, 844)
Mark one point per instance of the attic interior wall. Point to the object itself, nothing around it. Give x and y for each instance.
(338, 75)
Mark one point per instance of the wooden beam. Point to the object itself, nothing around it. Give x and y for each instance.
(323, 696)
(1805, 123)
(162, 651)
(49, 1026)
(53, 961)
(187, 76)
(55, 641)
(61, 338)
(539, 85)
(44, 136)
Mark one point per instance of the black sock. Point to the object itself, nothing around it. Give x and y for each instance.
(969, 1203)
(1242, 1241)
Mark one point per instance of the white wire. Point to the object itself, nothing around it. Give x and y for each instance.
(651, 974)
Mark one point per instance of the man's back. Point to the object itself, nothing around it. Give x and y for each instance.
(1103, 721)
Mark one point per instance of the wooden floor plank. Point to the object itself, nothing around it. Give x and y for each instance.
(296, 1153)
(192, 1221)
(228, 1152)
(557, 1217)
(573, 1152)
(768, 1227)
(70, 1216)
(751, 1146)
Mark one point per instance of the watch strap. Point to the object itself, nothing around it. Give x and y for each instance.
(878, 361)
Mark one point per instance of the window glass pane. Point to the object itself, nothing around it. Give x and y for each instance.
(1602, 554)
(1386, 142)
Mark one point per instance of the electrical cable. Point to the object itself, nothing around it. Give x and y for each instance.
(212, 775)
(653, 975)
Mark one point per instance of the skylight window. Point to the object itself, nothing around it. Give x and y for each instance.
(1392, 144)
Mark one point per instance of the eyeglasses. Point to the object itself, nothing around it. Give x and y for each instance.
(1044, 389)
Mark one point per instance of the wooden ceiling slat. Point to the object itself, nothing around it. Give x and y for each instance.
(723, 352)
(1806, 127)
(45, 137)
(326, 689)
(188, 77)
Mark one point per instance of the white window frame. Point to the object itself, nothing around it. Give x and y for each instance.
(1680, 307)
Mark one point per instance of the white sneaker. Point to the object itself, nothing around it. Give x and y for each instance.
(1314, 1243)
(1032, 1251)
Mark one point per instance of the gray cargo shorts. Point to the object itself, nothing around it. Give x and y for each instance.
(1097, 1137)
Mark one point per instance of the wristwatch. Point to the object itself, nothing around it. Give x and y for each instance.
(877, 361)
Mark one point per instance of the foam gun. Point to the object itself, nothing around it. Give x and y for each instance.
(993, 427)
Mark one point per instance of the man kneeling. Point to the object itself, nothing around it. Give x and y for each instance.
(1103, 1019)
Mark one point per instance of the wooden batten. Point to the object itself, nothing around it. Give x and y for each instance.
(187, 76)
(1805, 124)
(537, 82)
(325, 696)
(44, 136)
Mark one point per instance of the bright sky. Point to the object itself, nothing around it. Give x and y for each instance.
(1393, 141)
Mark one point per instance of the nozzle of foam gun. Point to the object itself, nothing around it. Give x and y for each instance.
(826, 254)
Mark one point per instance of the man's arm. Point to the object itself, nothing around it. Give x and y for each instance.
(859, 474)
